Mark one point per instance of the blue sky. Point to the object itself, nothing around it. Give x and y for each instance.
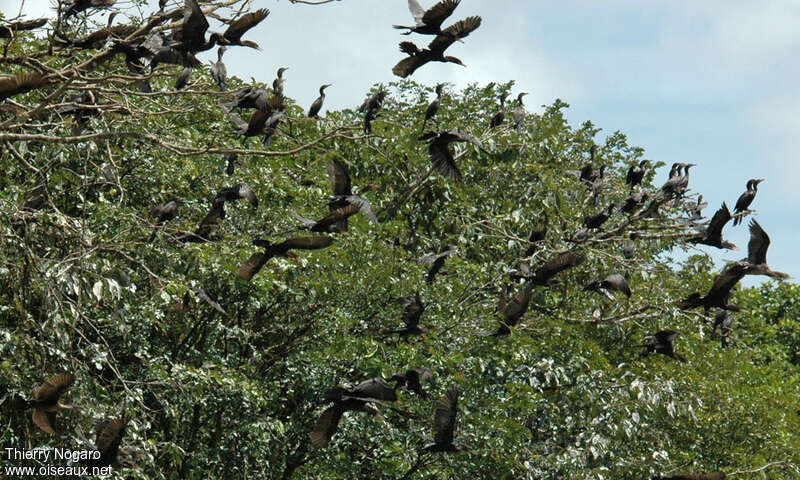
(713, 82)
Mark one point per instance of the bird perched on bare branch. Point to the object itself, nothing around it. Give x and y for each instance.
(636, 173)
(444, 424)
(239, 26)
(746, 199)
(316, 106)
(712, 235)
(161, 214)
(519, 113)
(361, 398)
(413, 308)
(98, 38)
(720, 290)
(436, 261)
(45, 401)
(439, 150)
(21, 83)
(412, 380)
(256, 262)
(614, 281)
(696, 210)
(756, 261)
(429, 22)
(435, 51)
(663, 342)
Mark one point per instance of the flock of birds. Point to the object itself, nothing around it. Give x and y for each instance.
(144, 51)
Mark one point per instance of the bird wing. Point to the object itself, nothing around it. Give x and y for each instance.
(758, 244)
(246, 192)
(374, 388)
(252, 265)
(364, 205)
(16, 84)
(408, 65)
(326, 426)
(193, 19)
(455, 32)
(416, 11)
(718, 221)
(666, 337)
(340, 178)
(202, 295)
(45, 420)
(443, 160)
(444, 420)
(516, 308)
(557, 265)
(109, 437)
(726, 280)
(439, 12)
(238, 27)
(425, 375)
(307, 243)
(337, 215)
(305, 221)
(53, 388)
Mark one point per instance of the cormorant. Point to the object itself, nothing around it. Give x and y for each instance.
(77, 6)
(237, 192)
(371, 107)
(543, 276)
(519, 113)
(719, 293)
(636, 174)
(343, 194)
(429, 22)
(444, 424)
(211, 219)
(256, 262)
(746, 199)
(219, 72)
(513, 310)
(277, 84)
(596, 221)
(45, 401)
(439, 150)
(436, 261)
(435, 50)
(723, 321)
(696, 210)
(663, 342)
(182, 79)
(498, 117)
(712, 235)
(238, 27)
(757, 253)
(162, 214)
(21, 83)
(7, 31)
(413, 308)
(433, 107)
(412, 380)
(614, 281)
(316, 106)
(107, 442)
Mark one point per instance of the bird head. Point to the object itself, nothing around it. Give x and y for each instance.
(644, 163)
(281, 70)
(439, 87)
(454, 60)
(519, 97)
(322, 88)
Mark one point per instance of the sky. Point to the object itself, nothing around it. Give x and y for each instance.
(711, 82)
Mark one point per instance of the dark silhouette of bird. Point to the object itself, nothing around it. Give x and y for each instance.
(500, 116)
(596, 221)
(239, 26)
(219, 72)
(413, 308)
(238, 192)
(250, 97)
(107, 442)
(717, 296)
(636, 174)
(328, 224)
(683, 183)
(278, 83)
(629, 247)
(45, 401)
(316, 106)
(512, 310)
(696, 210)
(543, 276)
(262, 121)
(256, 262)
(182, 79)
(84, 106)
(361, 398)
(8, 30)
(371, 107)
(21, 83)
(343, 195)
(436, 261)
(634, 202)
(722, 320)
(597, 184)
(212, 219)
(77, 6)
(444, 424)
(587, 174)
(663, 342)
(614, 281)
(538, 235)
(435, 51)
(671, 185)
(519, 113)
(161, 214)
(692, 476)
(439, 150)
(746, 199)
(231, 161)
(712, 235)
(190, 37)
(756, 260)
(429, 22)
(98, 38)
(413, 378)
(433, 107)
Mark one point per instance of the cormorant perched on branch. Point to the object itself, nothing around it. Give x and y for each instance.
(277, 84)
(429, 22)
(162, 214)
(497, 118)
(219, 72)
(316, 106)
(256, 262)
(663, 342)
(371, 107)
(519, 113)
(712, 235)
(696, 210)
(433, 107)
(439, 150)
(756, 261)
(636, 174)
(746, 199)
(435, 50)
(673, 181)
(718, 295)
(597, 221)
(182, 79)
(361, 398)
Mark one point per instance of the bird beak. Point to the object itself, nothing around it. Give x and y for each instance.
(759, 180)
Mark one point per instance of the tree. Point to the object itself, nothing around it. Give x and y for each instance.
(223, 378)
